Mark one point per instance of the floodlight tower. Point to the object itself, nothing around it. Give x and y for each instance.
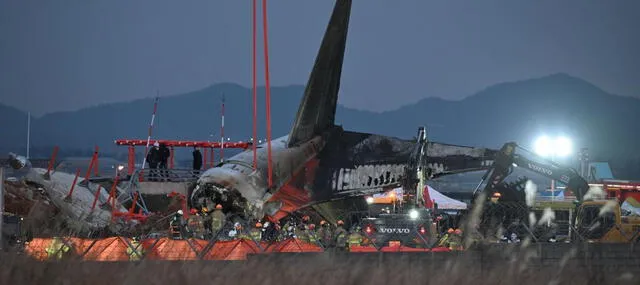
(553, 148)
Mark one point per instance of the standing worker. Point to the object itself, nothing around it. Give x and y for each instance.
(176, 226)
(256, 232)
(153, 158)
(240, 232)
(165, 153)
(197, 161)
(311, 232)
(324, 234)
(301, 233)
(217, 220)
(355, 238)
(444, 241)
(206, 221)
(195, 224)
(455, 241)
(340, 236)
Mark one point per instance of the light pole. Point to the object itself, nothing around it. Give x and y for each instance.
(553, 148)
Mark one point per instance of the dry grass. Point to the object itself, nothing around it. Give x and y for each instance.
(486, 267)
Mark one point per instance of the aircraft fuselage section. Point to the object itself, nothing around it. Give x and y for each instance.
(236, 175)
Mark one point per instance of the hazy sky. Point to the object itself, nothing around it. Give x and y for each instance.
(67, 54)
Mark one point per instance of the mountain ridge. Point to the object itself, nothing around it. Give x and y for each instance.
(509, 111)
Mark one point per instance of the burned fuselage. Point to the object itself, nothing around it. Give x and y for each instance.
(245, 191)
(358, 163)
(336, 166)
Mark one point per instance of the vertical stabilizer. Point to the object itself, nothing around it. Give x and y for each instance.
(318, 107)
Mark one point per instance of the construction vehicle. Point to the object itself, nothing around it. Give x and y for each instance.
(596, 218)
(393, 218)
(11, 231)
(402, 217)
(603, 221)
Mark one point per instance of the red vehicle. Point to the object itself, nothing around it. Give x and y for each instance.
(620, 189)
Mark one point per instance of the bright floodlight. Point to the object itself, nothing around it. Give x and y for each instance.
(543, 146)
(563, 146)
(369, 200)
(413, 214)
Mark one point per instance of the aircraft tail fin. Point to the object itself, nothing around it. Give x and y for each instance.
(318, 107)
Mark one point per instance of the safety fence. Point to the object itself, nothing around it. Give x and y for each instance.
(125, 249)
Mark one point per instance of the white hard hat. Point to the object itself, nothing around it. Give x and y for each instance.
(180, 212)
(156, 144)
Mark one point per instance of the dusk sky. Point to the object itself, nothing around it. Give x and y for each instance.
(64, 55)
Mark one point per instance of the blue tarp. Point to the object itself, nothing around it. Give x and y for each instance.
(601, 170)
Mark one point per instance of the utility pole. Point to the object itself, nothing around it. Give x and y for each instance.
(28, 133)
(583, 157)
(222, 131)
(1, 204)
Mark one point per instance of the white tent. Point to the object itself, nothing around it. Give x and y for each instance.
(444, 202)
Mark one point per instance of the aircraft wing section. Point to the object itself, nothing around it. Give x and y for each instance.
(353, 164)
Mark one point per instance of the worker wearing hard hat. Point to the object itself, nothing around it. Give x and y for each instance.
(355, 238)
(256, 232)
(195, 224)
(302, 233)
(311, 232)
(217, 220)
(324, 234)
(153, 158)
(444, 241)
(455, 240)
(340, 236)
(206, 222)
(241, 232)
(233, 233)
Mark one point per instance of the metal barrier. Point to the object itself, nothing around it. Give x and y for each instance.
(169, 175)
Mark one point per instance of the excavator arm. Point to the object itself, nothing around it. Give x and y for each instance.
(507, 159)
(416, 171)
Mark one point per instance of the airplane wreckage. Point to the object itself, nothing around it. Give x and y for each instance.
(321, 165)
(74, 210)
(318, 165)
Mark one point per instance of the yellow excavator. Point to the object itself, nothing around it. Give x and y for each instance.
(596, 219)
(606, 222)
